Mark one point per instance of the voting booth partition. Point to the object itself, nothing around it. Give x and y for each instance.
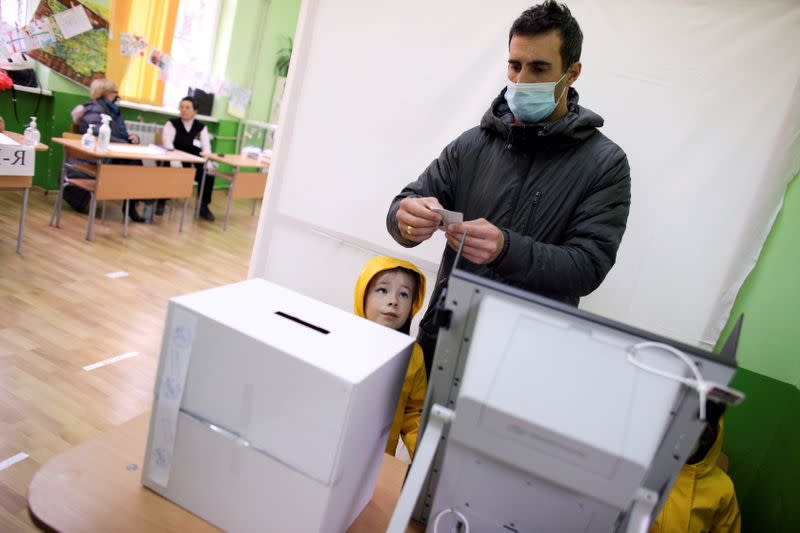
(542, 417)
(376, 90)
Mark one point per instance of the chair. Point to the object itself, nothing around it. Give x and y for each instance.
(87, 184)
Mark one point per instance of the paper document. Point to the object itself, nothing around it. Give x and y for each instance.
(73, 22)
(449, 217)
(41, 32)
(150, 149)
(131, 45)
(5, 139)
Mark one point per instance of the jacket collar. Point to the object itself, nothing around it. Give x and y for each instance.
(576, 126)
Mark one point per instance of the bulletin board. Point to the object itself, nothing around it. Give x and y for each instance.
(81, 58)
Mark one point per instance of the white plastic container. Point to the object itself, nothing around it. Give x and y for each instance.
(32, 134)
(88, 141)
(104, 136)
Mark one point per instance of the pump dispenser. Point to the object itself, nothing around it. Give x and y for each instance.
(104, 137)
(32, 135)
(88, 141)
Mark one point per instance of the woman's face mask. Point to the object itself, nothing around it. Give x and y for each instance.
(533, 102)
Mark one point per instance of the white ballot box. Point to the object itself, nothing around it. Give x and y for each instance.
(15, 159)
(271, 409)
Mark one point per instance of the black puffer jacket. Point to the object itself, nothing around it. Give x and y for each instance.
(92, 111)
(560, 191)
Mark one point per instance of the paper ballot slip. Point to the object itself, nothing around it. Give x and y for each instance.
(449, 217)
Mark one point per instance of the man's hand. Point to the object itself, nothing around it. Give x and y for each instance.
(484, 240)
(133, 138)
(415, 220)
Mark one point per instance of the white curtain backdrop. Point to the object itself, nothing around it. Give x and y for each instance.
(704, 97)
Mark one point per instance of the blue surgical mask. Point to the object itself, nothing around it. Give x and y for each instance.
(532, 102)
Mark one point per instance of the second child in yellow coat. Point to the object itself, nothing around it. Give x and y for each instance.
(390, 291)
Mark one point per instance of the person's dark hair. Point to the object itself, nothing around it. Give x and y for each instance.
(190, 99)
(548, 16)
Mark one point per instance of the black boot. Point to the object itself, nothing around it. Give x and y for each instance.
(132, 212)
(160, 207)
(206, 214)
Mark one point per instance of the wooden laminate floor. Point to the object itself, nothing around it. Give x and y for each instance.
(60, 312)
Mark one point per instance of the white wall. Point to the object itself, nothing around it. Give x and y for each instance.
(703, 97)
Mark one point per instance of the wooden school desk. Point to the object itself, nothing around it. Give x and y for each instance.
(249, 184)
(19, 182)
(127, 182)
(96, 486)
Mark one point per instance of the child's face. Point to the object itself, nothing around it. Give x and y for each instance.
(389, 298)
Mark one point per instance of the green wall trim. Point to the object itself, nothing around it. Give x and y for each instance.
(762, 440)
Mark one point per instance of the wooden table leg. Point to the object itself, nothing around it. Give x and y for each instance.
(22, 219)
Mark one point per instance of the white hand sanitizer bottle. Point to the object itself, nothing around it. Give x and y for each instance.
(32, 135)
(104, 136)
(88, 141)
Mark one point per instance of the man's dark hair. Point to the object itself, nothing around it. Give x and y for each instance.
(190, 99)
(548, 16)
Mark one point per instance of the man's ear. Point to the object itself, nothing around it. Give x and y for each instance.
(573, 73)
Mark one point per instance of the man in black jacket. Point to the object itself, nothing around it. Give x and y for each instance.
(545, 195)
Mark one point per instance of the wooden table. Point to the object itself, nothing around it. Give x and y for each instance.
(96, 486)
(126, 182)
(243, 184)
(20, 182)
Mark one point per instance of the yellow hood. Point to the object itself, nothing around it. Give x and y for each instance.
(378, 264)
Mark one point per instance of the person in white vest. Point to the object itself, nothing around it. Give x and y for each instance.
(187, 134)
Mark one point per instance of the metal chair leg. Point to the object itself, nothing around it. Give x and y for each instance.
(127, 208)
(22, 219)
(55, 218)
(92, 210)
(183, 213)
(200, 193)
(103, 212)
(253, 210)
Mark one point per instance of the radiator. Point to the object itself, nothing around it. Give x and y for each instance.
(147, 132)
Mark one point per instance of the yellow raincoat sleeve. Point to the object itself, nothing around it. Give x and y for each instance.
(416, 399)
(409, 406)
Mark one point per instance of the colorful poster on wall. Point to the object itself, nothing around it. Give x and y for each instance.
(131, 45)
(81, 58)
(41, 32)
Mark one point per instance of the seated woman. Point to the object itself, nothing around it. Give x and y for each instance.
(104, 97)
(180, 134)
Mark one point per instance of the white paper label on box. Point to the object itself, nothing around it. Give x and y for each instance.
(170, 393)
(16, 160)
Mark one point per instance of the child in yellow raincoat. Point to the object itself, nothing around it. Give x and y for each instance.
(390, 291)
(702, 499)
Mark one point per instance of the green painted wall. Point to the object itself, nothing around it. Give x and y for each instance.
(239, 57)
(55, 82)
(763, 433)
(770, 299)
